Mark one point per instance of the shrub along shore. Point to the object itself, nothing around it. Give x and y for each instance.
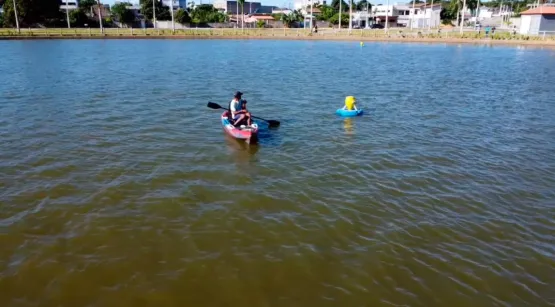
(394, 35)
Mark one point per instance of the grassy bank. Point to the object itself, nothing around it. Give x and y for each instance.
(397, 35)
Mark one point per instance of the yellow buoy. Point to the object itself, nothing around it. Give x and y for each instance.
(361, 44)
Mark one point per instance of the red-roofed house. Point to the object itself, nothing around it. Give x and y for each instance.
(255, 18)
(538, 20)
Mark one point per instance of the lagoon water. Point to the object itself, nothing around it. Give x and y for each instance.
(119, 188)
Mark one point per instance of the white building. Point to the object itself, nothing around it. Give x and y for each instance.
(382, 13)
(538, 20)
(69, 4)
(363, 18)
(425, 16)
(403, 15)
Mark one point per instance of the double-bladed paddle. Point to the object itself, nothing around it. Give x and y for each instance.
(271, 122)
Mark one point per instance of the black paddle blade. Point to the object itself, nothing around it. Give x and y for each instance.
(273, 123)
(213, 105)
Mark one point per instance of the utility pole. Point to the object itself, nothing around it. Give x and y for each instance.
(100, 16)
(340, 13)
(154, 13)
(386, 16)
(67, 16)
(477, 14)
(367, 19)
(311, 15)
(16, 19)
(413, 13)
(171, 11)
(350, 15)
(431, 16)
(462, 16)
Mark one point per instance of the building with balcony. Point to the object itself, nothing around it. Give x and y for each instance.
(425, 16)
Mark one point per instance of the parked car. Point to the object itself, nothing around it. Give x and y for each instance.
(376, 26)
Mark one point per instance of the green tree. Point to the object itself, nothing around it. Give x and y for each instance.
(86, 5)
(122, 14)
(33, 12)
(335, 18)
(447, 16)
(327, 12)
(260, 24)
(1, 20)
(206, 13)
(162, 11)
(335, 5)
(363, 4)
(182, 16)
(456, 6)
(78, 18)
(289, 20)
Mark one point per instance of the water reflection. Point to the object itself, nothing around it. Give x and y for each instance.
(241, 151)
(348, 126)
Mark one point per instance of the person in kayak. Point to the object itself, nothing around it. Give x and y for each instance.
(239, 112)
(350, 103)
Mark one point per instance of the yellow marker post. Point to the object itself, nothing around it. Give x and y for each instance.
(361, 44)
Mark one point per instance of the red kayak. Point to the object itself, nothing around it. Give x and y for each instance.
(247, 133)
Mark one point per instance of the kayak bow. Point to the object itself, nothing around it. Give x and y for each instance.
(247, 133)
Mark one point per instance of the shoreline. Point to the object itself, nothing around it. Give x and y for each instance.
(445, 40)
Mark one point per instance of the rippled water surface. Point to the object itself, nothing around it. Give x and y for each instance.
(119, 188)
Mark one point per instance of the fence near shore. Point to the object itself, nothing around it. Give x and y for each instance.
(395, 33)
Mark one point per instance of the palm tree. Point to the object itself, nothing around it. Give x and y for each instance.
(289, 19)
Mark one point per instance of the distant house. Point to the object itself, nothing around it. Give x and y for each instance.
(177, 4)
(230, 7)
(537, 20)
(255, 18)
